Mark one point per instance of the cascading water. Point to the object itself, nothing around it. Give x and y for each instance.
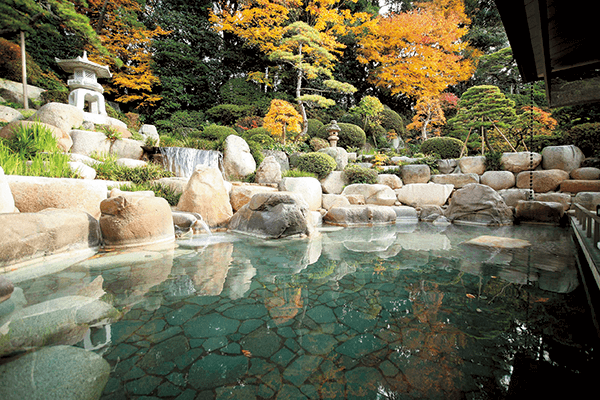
(182, 160)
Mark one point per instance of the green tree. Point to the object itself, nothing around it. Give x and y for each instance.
(487, 111)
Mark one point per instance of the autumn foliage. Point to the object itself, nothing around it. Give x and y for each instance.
(421, 52)
(283, 120)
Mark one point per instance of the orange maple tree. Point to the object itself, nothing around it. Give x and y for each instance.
(129, 42)
(419, 53)
(283, 119)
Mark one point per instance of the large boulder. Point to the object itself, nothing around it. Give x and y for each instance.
(360, 215)
(586, 174)
(589, 200)
(133, 220)
(556, 197)
(498, 180)
(512, 196)
(88, 142)
(55, 373)
(576, 186)
(539, 211)
(149, 132)
(64, 116)
(8, 114)
(207, 195)
(542, 181)
(334, 183)
(566, 158)
(33, 194)
(375, 194)
(334, 200)
(240, 195)
(339, 155)
(274, 216)
(415, 173)
(309, 188)
(269, 171)
(281, 158)
(64, 140)
(237, 159)
(478, 204)
(13, 91)
(419, 194)
(472, 165)
(391, 180)
(26, 236)
(447, 166)
(520, 161)
(457, 180)
(127, 148)
(7, 202)
(83, 170)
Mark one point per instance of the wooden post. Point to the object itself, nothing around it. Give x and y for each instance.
(24, 72)
(465, 145)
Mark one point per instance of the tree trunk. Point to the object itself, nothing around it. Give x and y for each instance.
(101, 17)
(24, 72)
(300, 103)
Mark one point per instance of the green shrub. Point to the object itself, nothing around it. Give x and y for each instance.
(390, 120)
(159, 189)
(358, 174)
(108, 169)
(227, 114)
(180, 120)
(585, 136)
(380, 134)
(317, 143)
(256, 150)
(170, 141)
(199, 143)
(296, 173)
(313, 127)
(28, 140)
(350, 135)
(540, 141)
(352, 119)
(492, 161)
(256, 131)
(320, 164)
(445, 147)
(264, 140)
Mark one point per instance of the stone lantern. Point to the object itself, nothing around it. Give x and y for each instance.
(332, 130)
(85, 87)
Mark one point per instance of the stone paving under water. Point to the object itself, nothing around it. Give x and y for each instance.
(406, 312)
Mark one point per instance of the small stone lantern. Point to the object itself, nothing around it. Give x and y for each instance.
(333, 129)
(84, 85)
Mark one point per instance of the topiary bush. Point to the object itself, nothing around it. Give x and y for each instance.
(390, 120)
(445, 147)
(320, 164)
(350, 135)
(227, 114)
(217, 133)
(317, 143)
(358, 174)
(313, 127)
(265, 140)
(584, 136)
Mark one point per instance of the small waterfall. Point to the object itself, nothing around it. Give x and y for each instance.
(182, 160)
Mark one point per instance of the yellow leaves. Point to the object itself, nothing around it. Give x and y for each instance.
(281, 119)
(420, 52)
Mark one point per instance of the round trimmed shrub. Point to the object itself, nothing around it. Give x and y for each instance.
(358, 174)
(320, 164)
(313, 127)
(391, 121)
(445, 147)
(264, 139)
(317, 143)
(350, 135)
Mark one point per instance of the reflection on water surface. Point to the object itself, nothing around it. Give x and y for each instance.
(406, 311)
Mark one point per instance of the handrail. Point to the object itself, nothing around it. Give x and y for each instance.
(590, 223)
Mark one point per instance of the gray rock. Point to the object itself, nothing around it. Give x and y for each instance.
(447, 166)
(273, 216)
(88, 142)
(415, 173)
(457, 180)
(541, 181)
(360, 215)
(309, 188)
(555, 197)
(83, 170)
(281, 158)
(475, 165)
(240, 195)
(588, 200)
(498, 180)
(339, 155)
(431, 213)
(8, 114)
(566, 158)
(334, 200)
(520, 161)
(375, 194)
(127, 148)
(6, 289)
(391, 180)
(237, 159)
(64, 116)
(334, 183)
(420, 194)
(478, 204)
(149, 131)
(405, 214)
(269, 171)
(512, 196)
(586, 174)
(55, 373)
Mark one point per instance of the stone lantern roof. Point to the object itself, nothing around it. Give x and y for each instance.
(101, 71)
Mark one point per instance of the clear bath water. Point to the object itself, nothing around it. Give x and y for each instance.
(396, 312)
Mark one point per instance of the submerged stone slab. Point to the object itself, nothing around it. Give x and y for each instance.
(216, 370)
(55, 373)
(498, 242)
(539, 211)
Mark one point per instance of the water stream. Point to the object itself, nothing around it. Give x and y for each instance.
(182, 160)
